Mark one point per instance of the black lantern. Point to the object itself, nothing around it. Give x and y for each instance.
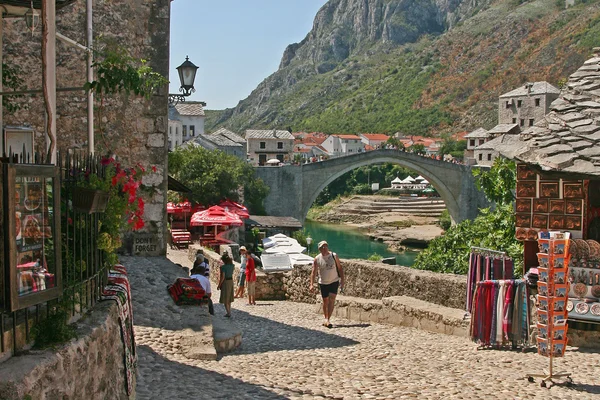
(187, 75)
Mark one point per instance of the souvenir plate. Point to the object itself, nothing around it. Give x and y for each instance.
(580, 289)
(595, 309)
(573, 250)
(594, 249)
(569, 306)
(582, 308)
(583, 248)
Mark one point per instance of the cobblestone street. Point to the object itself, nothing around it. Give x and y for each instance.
(286, 353)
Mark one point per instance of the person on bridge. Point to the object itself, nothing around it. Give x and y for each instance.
(331, 277)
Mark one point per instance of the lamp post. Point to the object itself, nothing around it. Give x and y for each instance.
(187, 75)
(308, 242)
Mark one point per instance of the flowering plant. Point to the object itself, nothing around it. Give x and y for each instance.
(125, 207)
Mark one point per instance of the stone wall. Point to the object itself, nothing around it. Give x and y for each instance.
(365, 279)
(131, 127)
(90, 367)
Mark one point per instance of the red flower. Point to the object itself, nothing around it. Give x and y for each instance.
(154, 168)
(107, 161)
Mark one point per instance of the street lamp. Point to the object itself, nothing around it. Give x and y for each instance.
(308, 242)
(32, 19)
(187, 75)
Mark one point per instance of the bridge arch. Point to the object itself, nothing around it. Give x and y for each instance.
(295, 188)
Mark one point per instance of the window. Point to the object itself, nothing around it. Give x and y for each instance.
(481, 141)
(472, 142)
(280, 145)
(280, 157)
(480, 157)
(263, 145)
(170, 130)
(519, 103)
(489, 157)
(262, 159)
(514, 120)
(537, 102)
(531, 122)
(192, 130)
(522, 122)
(184, 130)
(508, 104)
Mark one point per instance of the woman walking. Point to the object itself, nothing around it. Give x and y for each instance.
(242, 280)
(226, 283)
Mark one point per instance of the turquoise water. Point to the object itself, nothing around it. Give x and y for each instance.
(351, 243)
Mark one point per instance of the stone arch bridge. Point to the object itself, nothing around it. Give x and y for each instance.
(294, 188)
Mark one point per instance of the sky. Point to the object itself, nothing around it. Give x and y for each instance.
(235, 44)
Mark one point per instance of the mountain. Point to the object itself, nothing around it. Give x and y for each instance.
(416, 66)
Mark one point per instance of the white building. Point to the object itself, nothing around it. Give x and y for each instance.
(343, 145)
(175, 130)
(223, 140)
(373, 139)
(191, 116)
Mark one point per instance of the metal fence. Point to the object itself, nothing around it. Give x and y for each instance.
(84, 270)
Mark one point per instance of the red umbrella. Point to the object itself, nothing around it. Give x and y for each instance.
(214, 216)
(235, 208)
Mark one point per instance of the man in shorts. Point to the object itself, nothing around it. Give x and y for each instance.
(331, 277)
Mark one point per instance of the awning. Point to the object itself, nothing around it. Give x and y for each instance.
(176, 186)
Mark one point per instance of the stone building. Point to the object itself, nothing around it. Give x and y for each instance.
(175, 130)
(223, 140)
(476, 138)
(527, 104)
(264, 145)
(131, 127)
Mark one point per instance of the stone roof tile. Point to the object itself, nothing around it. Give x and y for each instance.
(268, 134)
(559, 161)
(593, 151)
(536, 88)
(580, 122)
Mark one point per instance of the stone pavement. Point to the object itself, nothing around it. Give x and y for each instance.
(287, 354)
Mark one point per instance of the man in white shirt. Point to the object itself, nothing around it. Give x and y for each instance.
(199, 272)
(331, 277)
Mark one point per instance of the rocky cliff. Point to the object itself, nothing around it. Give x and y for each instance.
(415, 66)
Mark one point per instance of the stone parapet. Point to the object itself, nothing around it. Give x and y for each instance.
(402, 311)
(90, 367)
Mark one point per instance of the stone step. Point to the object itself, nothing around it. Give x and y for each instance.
(402, 311)
(227, 335)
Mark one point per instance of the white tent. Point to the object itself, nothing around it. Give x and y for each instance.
(419, 178)
(409, 179)
(425, 181)
(397, 180)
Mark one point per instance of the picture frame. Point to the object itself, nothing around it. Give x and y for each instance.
(523, 220)
(573, 191)
(523, 205)
(556, 222)
(526, 189)
(539, 221)
(573, 223)
(557, 206)
(525, 173)
(573, 207)
(540, 205)
(549, 190)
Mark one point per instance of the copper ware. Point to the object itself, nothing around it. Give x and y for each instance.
(573, 191)
(594, 249)
(583, 248)
(595, 309)
(580, 289)
(596, 287)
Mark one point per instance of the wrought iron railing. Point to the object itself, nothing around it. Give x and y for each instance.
(84, 270)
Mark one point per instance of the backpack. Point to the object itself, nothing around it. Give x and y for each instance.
(187, 291)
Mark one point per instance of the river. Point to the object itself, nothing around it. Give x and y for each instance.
(351, 243)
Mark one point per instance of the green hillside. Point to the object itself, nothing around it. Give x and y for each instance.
(441, 83)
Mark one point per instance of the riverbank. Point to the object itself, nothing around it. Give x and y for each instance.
(397, 229)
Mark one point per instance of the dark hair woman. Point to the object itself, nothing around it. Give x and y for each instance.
(226, 283)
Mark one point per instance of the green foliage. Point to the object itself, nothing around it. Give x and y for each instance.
(417, 148)
(117, 71)
(499, 182)
(53, 330)
(11, 80)
(445, 220)
(301, 236)
(394, 141)
(214, 176)
(453, 147)
(362, 188)
(491, 229)
(375, 257)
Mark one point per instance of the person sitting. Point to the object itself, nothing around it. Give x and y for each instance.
(198, 273)
(201, 261)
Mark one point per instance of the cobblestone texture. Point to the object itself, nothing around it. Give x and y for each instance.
(286, 353)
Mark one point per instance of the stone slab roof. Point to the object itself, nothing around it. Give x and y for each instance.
(567, 139)
(220, 140)
(190, 108)
(504, 128)
(270, 134)
(504, 139)
(537, 88)
(230, 135)
(477, 133)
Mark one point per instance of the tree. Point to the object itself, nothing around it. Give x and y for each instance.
(214, 176)
(453, 147)
(499, 182)
(394, 141)
(417, 148)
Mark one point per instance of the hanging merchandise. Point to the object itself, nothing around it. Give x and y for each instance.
(552, 301)
(486, 264)
(500, 313)
(584, 275)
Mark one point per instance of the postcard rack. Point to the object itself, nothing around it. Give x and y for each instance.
(553, 289)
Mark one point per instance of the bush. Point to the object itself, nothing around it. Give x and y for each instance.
(445, 220)
(362, 188)
(53, 330)
(375, 257)
(491, 229)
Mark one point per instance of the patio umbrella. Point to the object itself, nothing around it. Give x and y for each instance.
(215, 216)
(273, 161)
(235, 208)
